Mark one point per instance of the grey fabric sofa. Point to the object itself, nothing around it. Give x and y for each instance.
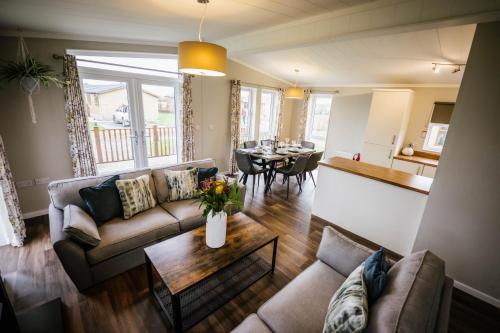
(417, 296)
(122, 241)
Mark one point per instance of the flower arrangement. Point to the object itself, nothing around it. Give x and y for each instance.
(216, 195)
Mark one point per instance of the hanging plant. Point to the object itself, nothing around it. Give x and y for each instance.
(30, 73)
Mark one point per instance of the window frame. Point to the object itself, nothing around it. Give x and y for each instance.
(311, 113)
(274, 111)
(253, 111)
(432, 147)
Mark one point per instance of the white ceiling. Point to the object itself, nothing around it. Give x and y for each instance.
(160, 21)
(391, 59)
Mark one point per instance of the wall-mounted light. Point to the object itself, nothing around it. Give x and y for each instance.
(457, 67)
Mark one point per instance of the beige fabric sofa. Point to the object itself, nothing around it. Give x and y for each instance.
(417, 296)
(122, 241)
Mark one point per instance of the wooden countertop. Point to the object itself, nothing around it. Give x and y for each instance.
(390, 176)
(418, 159)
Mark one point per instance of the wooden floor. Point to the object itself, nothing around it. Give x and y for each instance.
(34, 275)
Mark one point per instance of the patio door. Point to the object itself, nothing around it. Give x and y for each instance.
(132, 120)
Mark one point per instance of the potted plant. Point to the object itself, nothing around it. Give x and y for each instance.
(216, 196)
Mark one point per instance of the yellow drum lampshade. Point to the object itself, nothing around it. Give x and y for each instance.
(294, 92)
(202, 58)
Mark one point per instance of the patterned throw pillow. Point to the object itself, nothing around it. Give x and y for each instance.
(135, 195)
(348, 309)
(182, 184)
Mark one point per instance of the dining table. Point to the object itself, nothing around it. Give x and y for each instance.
(270, 158)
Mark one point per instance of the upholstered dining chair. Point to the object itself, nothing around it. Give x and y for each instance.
(296, 169)
(266, 142)
(247, 167)
(312, 164)
(307, 144)
(250, 144)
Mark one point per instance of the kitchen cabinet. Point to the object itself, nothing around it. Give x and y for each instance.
(429, 171)
(377, 154)
(386, 127)
(405, 166)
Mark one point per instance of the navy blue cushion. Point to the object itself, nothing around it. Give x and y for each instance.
(374, 274)
(205, 173)
(103, 201)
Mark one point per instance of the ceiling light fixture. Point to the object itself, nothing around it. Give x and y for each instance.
(457, 67)
(202, 58)
(295, 92)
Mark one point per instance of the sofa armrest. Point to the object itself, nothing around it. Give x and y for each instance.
(443, 316)
(70, 254)
(340, 252)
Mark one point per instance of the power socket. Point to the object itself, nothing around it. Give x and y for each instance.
(25, 183)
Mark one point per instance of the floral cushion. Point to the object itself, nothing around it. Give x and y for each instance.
(182, 184)
(348, 308)
(135, 195)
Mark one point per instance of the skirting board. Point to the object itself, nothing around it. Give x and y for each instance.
(36, 213)
(476, 293)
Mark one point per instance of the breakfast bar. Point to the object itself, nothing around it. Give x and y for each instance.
(380, 204)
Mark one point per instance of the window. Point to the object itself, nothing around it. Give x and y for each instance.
(131, 108)
(248, 108)
(317, 120)
(269, 105)
(438, 126)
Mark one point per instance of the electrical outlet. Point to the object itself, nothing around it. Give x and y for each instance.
(41, 181)
(25, 183)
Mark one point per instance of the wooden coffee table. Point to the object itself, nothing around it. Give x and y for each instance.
(189, 280)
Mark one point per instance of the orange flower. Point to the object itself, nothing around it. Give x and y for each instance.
(219, 189)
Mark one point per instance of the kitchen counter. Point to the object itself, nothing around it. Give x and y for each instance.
(390, 176)
(418, 159)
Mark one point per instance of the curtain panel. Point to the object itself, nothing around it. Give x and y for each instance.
(281, 105)
(303, 115)
(80, 146)
(235, 123)
(16, 231)
(187, 117)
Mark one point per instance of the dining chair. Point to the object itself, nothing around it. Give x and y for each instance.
(250, 144)
(266, 142)
(312, 164)
(247, 167)
(295, 169)
(307, 144)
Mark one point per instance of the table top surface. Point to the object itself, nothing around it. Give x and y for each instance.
(282, 153)
(184, 260)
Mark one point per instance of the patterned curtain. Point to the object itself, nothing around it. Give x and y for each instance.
(303, 115)
(82, 156)
(279, 127)
(187, 117)
(235, 123)
(15, 217)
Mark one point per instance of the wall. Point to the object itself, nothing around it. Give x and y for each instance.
(423, 102)
(41, 150)
(461, 222)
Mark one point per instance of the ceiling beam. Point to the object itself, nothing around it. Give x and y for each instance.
(372, 19)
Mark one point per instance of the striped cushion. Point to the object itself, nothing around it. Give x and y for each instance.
(348, 309)
(136, 195)
(182, 184)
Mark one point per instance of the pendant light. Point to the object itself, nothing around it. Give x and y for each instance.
(295, 92)
(202, 58)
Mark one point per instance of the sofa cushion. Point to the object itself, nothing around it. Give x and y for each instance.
(161, 182)
(65, 192)
(301, 306)
(341, 253)
(411, 297)
(136, 196)
(348, 308)
(375, 274)
(80, 226)
(103, 200)
(119, 235)
(182, 184)
(252, 324)
(187, 212)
